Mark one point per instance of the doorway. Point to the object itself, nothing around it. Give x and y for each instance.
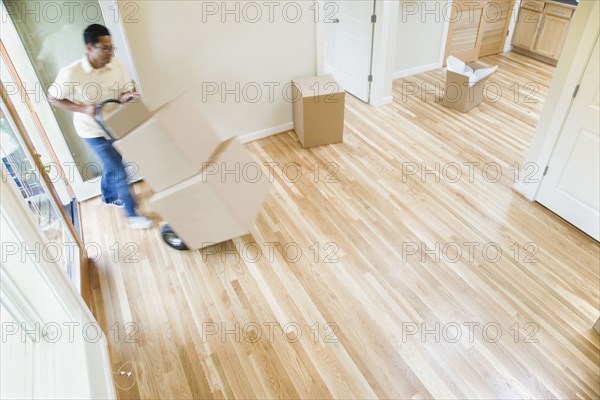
(41, 38)
(349, 41)
(570, 187)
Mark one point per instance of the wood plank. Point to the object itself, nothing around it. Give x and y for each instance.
(364, 211)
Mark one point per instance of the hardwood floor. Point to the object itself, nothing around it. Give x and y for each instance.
(363, 278)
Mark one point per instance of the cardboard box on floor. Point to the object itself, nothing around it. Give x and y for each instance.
(318, 107)
(220, 203)
(171, 145)
(465, 83)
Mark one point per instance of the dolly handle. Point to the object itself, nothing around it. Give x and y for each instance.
(98, 115)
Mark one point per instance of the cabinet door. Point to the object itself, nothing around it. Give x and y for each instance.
(551, 38)
(497, 14)
(526, 29)
(465, 34)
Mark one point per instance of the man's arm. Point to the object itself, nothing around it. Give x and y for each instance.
(70, 106)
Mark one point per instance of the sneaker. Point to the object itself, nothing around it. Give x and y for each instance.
(139, 222)
(119, 203)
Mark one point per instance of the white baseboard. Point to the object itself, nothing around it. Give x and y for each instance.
(329, 69)
(416, 70)
(384, 101)
(250, 137)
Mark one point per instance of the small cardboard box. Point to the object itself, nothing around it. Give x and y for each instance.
(172, 145)
(318, 107)
(465, 83)
(120, 119)
(219, 204)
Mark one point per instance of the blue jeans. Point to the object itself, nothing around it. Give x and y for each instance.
(114, 184)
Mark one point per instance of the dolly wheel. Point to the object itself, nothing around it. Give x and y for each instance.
(172, 239)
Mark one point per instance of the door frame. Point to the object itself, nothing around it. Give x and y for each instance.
(16, 50)
(383, 49)
(25, 108)
(34, 288)
(579, 46)
(549, 193)
(82, 275)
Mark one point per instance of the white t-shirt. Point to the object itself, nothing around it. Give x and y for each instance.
(83, 84)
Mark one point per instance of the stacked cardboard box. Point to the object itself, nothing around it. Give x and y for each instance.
(209, 190)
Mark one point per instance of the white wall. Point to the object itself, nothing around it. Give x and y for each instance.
(384, 52)
(420, 37)
(194, 45)
(512, 26)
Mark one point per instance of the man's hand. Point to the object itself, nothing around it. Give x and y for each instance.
(127, 97)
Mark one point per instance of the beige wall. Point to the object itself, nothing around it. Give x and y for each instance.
(180, 45)
(421, 26)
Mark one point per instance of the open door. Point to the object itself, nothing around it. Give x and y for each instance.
(36, 49)
(570, 186)
(496, 27)
(466, 30)
(353, 31)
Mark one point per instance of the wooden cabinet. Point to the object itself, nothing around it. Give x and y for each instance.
(526, 28)
(551, 38)
(479, 28)
(541, 29)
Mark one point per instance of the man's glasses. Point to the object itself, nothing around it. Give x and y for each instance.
(106, 49)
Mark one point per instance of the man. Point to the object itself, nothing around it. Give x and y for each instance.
(78, 88)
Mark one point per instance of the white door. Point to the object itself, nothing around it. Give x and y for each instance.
(571, 187)
(353, 46)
